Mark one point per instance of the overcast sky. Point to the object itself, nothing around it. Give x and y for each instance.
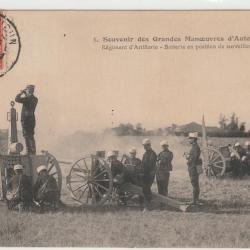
(78, 84)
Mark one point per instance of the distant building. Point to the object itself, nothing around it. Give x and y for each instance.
(195, 127)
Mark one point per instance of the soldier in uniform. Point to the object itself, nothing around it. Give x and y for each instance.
(29, 101)
(193, 159)
(247, 150)
(135, 174)
(149, 167)
(239, 149)
(46, 189)
(117, 167)
(164, 166)
(19, 190)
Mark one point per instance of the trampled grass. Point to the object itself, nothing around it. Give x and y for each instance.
(223, 221)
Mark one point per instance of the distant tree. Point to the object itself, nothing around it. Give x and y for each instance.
(233, 124)
(243, 127)
(223, 121)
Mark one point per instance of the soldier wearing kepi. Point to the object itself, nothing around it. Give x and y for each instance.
(29, 101)
(149, 167)
(135, 175)
(164, 166)
(46, 189)
(19, 190)
(193, 160)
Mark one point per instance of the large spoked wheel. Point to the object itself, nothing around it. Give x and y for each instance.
(54, 169)
(90, 181)
(213, 162)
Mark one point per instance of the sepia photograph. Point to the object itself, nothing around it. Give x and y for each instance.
(125, 128)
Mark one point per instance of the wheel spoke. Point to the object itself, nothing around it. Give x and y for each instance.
(85, 164)
(217, 162)
(99, 185)
(80, 187)
(52, 165)
(218, 166)
(97, 191)
(81, 169)
(105, 171)
(82, 176)
(82, 193)
(211, 156)
(75, 181)
(105, 180)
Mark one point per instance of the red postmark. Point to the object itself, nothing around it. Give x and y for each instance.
(10, 44)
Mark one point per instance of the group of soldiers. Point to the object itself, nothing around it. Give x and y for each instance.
(155, 166)
(22, 194)
(240, 160)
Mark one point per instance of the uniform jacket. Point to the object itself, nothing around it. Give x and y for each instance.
(135, 175)
(46, 182)
(164, 160)
(29, 106)
(23, 183)
(149, 162)
(194, 155)
(116, 168)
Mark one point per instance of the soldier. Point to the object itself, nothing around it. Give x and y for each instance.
(29, 101)
(164, 166)
(239, 149)
(19, 190)
(247, 144)
(46, 189)
(236, 165)
(136, 174)
(149, 168)
(117, 167)
(193, 159)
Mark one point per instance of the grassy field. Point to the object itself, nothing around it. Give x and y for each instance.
(223, 221)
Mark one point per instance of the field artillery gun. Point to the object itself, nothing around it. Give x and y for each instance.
(91, 183)
(30, 162)
(215, 160)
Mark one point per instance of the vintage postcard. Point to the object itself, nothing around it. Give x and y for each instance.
(124, 128)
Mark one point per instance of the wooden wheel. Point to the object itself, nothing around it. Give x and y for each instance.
(213, 162)
(54, 169)
(90, 181)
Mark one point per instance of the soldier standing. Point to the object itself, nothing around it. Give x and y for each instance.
(164, 166)
(135, 176)
(149, 166)
(193, 159)
(29, 101)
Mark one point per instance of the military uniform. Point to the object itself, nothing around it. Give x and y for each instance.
(164, 166)
(20, 188)
(46, 189)
(135, 175)
(193, 161)
(116, 168)
(28, 120)
(248, 162)
(149, 168)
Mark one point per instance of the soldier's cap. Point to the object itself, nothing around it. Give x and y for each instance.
(232, 154)
(243, 158)
(30, 86)
(146, 142)
(18, 167)
(132, 151)
(237, 144)
(41, 168)
(164, 143)
(193, 135)
(111, 153)
(247, 143)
